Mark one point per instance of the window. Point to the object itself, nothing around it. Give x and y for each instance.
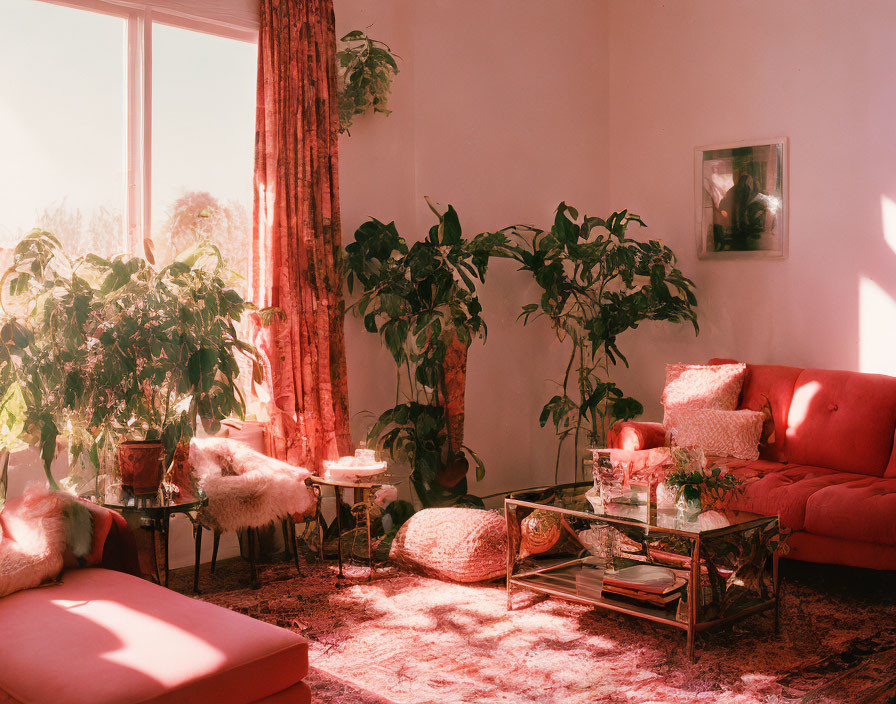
(123, 121)
(203, 120)
(62, 161)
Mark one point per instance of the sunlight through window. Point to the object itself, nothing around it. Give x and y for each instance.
(877, 333)
(62, 126)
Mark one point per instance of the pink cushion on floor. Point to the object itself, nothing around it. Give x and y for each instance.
(863, 510)
(460, 544)
(783, 492)
(105, 637)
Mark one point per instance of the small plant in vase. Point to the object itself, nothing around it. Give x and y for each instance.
(115, 354)
(695, 482)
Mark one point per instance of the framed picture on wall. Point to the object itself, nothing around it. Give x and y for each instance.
(741, 197)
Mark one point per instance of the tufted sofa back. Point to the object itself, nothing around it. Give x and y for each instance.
(839, 420)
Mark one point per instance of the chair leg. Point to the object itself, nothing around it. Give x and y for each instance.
(284, 524)
(251, 534)
(294, 544)
(215, 540)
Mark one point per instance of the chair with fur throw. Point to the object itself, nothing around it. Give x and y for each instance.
(248, 490)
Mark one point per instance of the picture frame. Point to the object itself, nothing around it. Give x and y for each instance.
(741, 199)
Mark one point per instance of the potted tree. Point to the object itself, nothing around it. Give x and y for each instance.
(113, 352)
(421, 300)
(597, 283)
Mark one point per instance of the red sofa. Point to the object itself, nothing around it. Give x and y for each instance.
(830, 473)
(102, 636)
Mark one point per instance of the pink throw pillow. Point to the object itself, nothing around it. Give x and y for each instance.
(703, 386)
(457, 544)
(721, 433)
(34, 539)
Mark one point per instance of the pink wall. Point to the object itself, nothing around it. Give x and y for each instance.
(696, 72)
(499, 110)
(503, 109)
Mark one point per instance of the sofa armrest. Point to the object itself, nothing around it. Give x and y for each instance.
(636, 435)
(114, 546)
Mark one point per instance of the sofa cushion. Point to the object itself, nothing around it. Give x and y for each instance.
(734, 433)
(863, 509)
(775, 384)
(842, 420)
(107, 637)
(772, 488)
(703, 386)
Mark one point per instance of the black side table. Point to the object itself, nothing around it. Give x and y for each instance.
(155, 513)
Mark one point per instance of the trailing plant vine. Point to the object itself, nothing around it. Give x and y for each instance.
(596, 283)
(422, 301)
(367, 67)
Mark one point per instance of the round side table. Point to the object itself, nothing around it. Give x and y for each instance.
(367, 487)
(154, 513)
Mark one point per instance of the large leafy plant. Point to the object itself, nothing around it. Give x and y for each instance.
(101, 350)
(367, 67)
(422, 301)
(597, 283)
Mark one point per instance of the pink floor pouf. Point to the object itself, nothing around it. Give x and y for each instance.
(456, 544)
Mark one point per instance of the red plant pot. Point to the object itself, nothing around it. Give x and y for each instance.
(141, 466)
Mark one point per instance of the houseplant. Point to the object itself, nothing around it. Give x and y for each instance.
(695, 482)
(422, 302)
(597, 283)
(366, 70)
(106, 351)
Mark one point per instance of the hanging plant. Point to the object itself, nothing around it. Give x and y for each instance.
(366, 70)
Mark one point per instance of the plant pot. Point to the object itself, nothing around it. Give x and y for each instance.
(141, 466)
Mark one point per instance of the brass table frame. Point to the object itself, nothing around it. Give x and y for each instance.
(367, 486)
(535, 581)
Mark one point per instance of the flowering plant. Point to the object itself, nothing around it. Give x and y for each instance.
(100, 350)
(693, 477)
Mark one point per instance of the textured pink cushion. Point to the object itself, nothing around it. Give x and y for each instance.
(721, 433)
(842, 420)
(703, 386)
(863, 510)
(104, 637)
(459, 544)
(771, 488)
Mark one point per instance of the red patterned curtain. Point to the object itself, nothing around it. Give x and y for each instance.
(297, 232)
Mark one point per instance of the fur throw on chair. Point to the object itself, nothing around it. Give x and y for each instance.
(245, 488)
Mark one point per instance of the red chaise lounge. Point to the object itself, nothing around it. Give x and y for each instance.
(102, 636)
(831, 472)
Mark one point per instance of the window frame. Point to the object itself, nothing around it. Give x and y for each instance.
(232, 20)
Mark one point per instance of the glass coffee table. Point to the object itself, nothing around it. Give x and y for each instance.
(154, 512)
(726, 562)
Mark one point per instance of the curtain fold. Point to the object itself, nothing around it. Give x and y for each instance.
(297, 233)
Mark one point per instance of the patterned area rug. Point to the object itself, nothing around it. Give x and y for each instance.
(408, 639)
